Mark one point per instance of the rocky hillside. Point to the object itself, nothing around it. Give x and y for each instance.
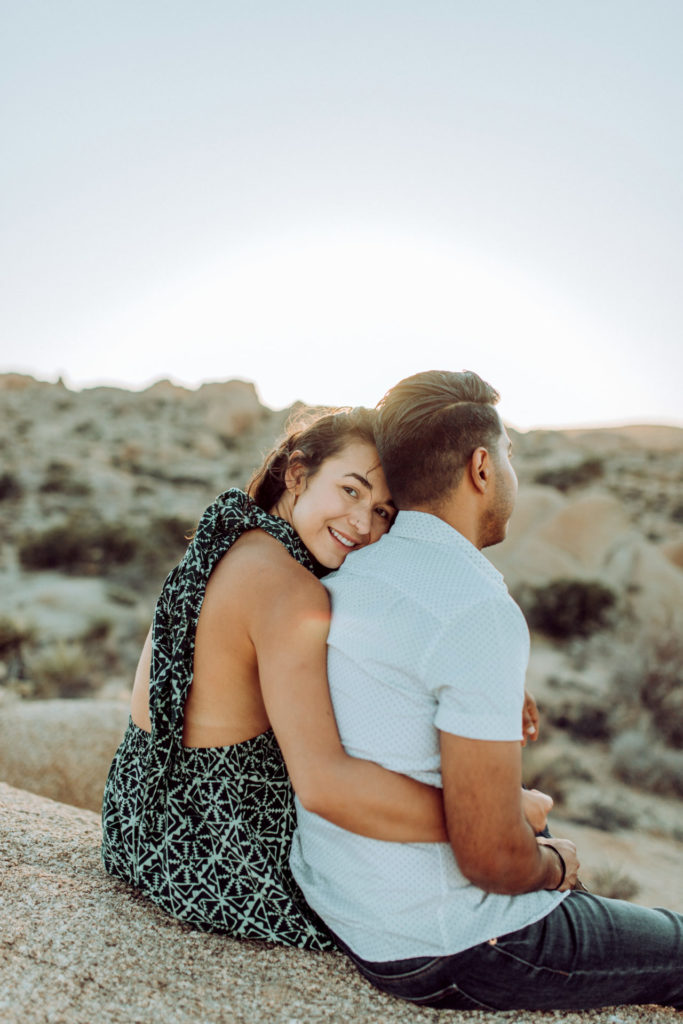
(98, 489)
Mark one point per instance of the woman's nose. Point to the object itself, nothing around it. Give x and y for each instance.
(362, 521)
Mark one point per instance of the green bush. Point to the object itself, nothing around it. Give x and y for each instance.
(567, 608)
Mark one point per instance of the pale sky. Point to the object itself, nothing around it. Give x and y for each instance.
(324, 197)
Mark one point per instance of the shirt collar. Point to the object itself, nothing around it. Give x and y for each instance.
(423, 526)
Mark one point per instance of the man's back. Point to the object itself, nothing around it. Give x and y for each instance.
(411, 616)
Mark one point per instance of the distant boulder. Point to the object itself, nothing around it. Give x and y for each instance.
(61, 748)
(231, 407)
(589, 538)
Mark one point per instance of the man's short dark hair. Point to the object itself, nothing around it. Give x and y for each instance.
(428, 428)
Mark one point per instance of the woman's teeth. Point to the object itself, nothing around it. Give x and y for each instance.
(342, 540)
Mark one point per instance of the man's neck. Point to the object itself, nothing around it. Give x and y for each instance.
(456, 515)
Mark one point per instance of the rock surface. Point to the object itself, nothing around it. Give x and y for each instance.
(77, 947)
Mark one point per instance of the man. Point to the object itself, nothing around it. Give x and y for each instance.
(426, 660)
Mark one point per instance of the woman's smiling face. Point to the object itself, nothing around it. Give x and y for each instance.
(343, 506)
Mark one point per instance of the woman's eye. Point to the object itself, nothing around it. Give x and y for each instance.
(383, 513)
(352, 491)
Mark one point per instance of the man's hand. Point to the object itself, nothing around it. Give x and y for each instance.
(567, 850)
(536, 806)
(530, 719)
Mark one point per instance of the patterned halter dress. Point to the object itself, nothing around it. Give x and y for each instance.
(206, 832)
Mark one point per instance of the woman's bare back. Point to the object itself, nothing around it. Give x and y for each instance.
(225, 705)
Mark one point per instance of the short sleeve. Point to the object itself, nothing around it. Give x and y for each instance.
(476, 669)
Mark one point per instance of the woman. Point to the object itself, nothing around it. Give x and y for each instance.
(198, 808)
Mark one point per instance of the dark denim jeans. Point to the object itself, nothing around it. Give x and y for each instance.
(588, 952)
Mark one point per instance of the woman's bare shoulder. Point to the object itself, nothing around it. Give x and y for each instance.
(257, 561)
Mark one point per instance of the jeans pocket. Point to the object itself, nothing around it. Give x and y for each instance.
(425, 981)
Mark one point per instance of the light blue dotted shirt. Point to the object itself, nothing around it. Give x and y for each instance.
(424, 637)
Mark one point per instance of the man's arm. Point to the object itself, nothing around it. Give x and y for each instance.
(288, 611)
(494, 845)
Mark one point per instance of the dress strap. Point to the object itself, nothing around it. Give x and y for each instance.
(177, 613)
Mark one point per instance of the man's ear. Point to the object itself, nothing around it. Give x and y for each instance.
(480, 469)
(295, 474)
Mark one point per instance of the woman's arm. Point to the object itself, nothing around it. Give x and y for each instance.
(288, 615)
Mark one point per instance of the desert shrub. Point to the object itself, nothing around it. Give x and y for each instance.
(613, 884)
(161, 543)
(648, 684)
(13, 633)
(59, 478)
(99, 629)
(86, 545)
(10, 487)
(89, 429)
(661, 685)
(83, 545)
(640, 761)
(573, 475)
(555, 774)
(61, 669)
(584, 719)
(607, 817)
(567, 608)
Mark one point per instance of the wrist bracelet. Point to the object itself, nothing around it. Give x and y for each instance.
(562, 862)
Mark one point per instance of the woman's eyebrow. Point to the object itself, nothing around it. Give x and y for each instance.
(366, 483)
(361, 479)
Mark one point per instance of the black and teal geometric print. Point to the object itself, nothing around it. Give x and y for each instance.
(206, 832)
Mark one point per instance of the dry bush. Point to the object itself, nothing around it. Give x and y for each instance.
(60, 479)
(61, 669)
(577, 711)
(14, 631)
(81, 545)
(639, 760)
(647, 710)
(15, 635)
(10, 487)
(613, 884)
(567, 608)
(86, 545)
(564, 478)
(606, 817)
(554, 772)
(661, 684)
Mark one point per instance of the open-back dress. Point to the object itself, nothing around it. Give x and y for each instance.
(206, 832)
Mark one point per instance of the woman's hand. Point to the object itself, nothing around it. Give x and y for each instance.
(530, 719)
(536, 807)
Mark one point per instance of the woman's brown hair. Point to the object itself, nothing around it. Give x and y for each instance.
(315, 435)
